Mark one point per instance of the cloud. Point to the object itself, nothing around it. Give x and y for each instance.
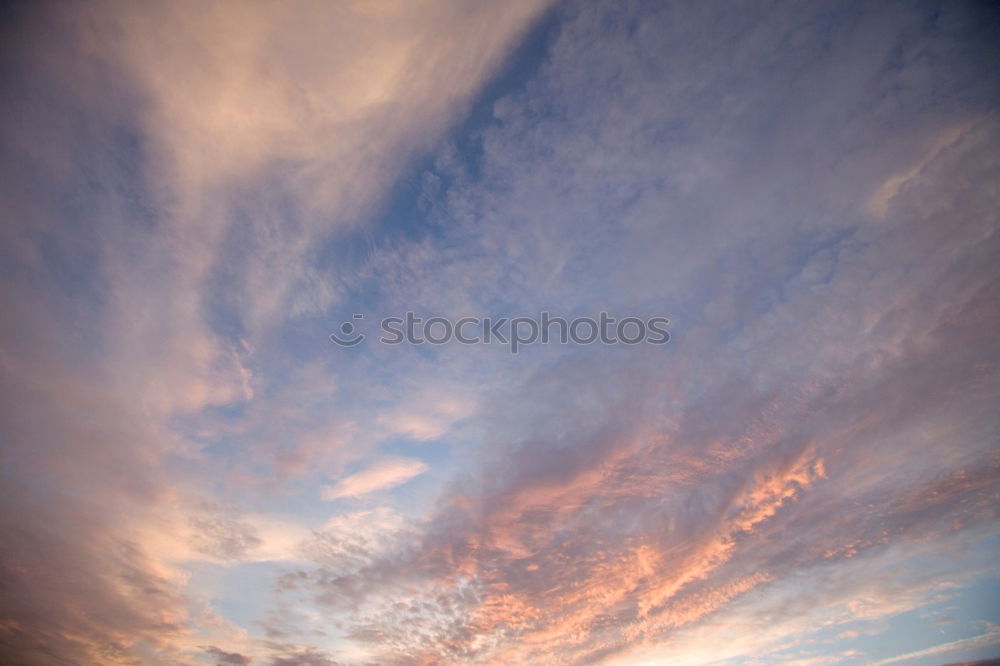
(224, 658)
(643, 502)
(880, 199)
(982, 641)
(303, 658)
(222, 537)
(133, 337)
(198, 195)
(258, 95)
(381, 475)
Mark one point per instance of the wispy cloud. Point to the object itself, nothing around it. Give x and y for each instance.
(981, 641)
(380, 475)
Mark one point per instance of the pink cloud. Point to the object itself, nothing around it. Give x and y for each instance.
(381, 475)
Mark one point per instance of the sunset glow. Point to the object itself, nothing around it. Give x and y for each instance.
(445, 332)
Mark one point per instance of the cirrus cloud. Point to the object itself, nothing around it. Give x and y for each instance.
(380, 475)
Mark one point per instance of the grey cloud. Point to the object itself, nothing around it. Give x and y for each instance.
(224, 658)
(303, 658)
(222, 536)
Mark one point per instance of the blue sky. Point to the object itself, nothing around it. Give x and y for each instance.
(197, 195)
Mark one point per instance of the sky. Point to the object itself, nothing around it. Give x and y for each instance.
(195, 196)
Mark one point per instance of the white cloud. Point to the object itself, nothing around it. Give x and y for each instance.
(971, 643)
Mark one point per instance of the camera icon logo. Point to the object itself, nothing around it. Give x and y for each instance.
(348, 337)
